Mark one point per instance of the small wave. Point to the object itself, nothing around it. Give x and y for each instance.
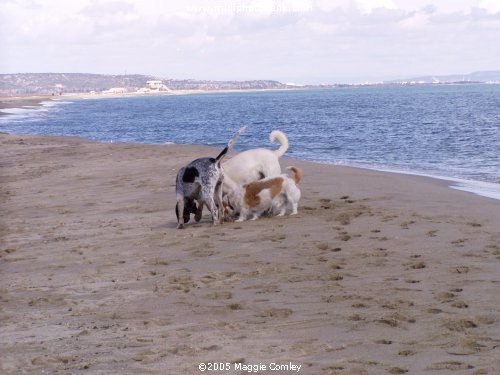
(485, 189)
(19, 111)
(482, 188)
(51, 103)
(30, 112)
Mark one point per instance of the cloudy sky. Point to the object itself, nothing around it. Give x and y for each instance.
(300, 41)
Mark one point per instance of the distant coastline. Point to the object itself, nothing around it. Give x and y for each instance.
(29, 100)
(151, 107)
(57, 84)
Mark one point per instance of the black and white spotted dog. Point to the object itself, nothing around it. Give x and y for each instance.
(201, 182)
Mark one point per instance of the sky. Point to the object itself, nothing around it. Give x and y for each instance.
(292, 41)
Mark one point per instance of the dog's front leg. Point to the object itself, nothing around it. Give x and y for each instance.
(199, 212)
(243, 215)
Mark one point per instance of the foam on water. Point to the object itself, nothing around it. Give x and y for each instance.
(482, 188)
(34, 112)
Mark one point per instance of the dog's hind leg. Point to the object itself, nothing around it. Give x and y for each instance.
(218, 201)
(180, 210)
(213, 209)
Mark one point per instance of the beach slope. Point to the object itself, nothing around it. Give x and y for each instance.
(378, 273)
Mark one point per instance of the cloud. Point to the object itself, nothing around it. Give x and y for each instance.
(304, 40)
(110, 8)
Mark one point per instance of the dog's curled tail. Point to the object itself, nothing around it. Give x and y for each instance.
(282, 139)
(230, 144)
(297, 173)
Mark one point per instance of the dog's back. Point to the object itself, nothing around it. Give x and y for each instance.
(252, 165)
(255, 164)
(275, 193)
(258, 194)
(192, 176)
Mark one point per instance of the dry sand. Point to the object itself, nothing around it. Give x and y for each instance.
(379, 273)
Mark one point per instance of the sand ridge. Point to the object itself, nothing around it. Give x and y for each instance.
(378, 273)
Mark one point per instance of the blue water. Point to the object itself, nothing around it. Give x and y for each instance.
(447, 131)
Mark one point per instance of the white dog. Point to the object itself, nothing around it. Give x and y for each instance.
(273, 194)
(252, 165)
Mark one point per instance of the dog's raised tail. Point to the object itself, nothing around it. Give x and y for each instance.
(230, 144)
(297, 176)
(282, 139)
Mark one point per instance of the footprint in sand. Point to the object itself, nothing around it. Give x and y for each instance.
(343, 219)
(446, 297)
(383, 342)
(343, 236)
(460, 325)
(450, 365)
(459, 242)
(418, 265)
(275, 313)
(220, 295)
(406, 224)
(460, 305)
(396, 370)
(235, 306)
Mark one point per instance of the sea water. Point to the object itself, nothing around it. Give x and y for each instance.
(446, 131)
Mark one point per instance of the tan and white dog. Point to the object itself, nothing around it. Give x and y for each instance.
(255, 164)
(271, 194)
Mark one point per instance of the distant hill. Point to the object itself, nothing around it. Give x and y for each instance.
(484, 76)
(49, 83)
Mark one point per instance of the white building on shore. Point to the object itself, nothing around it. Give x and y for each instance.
(115, 90)
(156, 86)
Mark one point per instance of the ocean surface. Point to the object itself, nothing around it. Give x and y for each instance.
(450, 132)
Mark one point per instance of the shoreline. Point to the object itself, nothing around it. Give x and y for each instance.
(377, 273)
(482, 189)
(485, 189)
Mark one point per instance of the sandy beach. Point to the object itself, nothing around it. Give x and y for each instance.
(379, 273)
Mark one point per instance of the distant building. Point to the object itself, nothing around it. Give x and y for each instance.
(115, 90)
(58, 89)
(156, 86)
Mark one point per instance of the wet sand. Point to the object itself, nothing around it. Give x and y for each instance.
(379, 273)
